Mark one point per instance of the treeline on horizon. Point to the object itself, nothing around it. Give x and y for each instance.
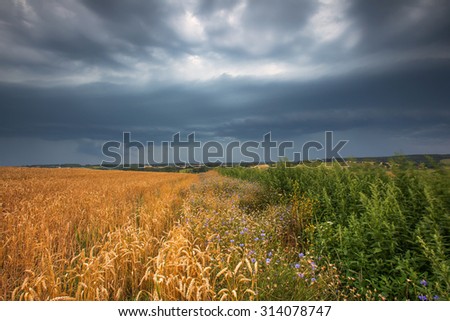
(427, 160)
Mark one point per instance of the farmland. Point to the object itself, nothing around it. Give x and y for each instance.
(83, 234)
(301, 233)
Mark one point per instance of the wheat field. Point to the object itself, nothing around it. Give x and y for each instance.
(82, 234)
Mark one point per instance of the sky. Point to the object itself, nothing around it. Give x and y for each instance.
(76, 74)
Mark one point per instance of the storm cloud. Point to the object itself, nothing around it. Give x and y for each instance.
(74, 74)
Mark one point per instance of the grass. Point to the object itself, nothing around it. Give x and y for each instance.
(387, 231)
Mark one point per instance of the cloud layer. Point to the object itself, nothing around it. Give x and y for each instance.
(81, 72)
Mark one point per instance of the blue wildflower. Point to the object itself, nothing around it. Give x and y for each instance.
(422, 297)
(300, 275)
(313, 279)
(241, 245)
(297, 266)
(436, 297)
(269, 254)
(232, 241)
(253, 260)
(301, 255)
(424, 282)
(268, 261)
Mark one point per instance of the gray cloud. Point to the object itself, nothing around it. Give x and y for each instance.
(401, 25)
(240, 108)
(84, 71)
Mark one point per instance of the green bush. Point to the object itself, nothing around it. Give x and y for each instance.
(387, 229)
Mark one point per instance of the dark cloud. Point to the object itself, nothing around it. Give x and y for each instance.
(401, 25)
(139, 23)
(85, 71)
(238, 108)
(56, 27)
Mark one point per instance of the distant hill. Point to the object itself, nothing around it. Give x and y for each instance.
(416, 158)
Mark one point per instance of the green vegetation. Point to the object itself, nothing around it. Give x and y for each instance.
(386, 228)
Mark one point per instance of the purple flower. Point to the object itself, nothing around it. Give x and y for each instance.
(268, 261)
(256, 238)
(251, 252)
(297, 266)
(269, 254)
(424, 282)
(300, 275)
(241, 245)
(313, 279)
(422, 297)
(232, 241)
(436, 297)
(301, 255)
(253, 260)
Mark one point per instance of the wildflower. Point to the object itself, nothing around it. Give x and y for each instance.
(436, 297)
(241, 245)
(297, 266)
(301, 255)
(263, 234)
(269, 254)
(301, 275)
(232, 241)
(422, 297)
(253, 260)
(424, 282)
(256, 238)
(313, 279)
(251, 252)
(268, 261)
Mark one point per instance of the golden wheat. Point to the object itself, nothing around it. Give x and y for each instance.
(83, 234)
(78, 234)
